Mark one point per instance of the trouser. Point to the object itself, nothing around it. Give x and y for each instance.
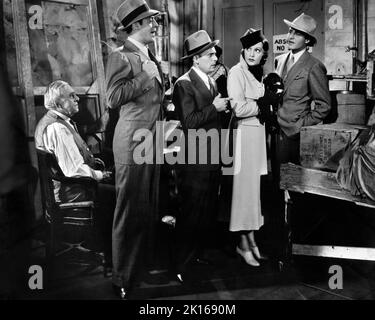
(199, 193)
(135, 220)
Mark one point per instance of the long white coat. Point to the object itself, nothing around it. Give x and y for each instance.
(250, 157)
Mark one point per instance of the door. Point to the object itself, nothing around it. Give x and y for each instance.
(232, 19)
(278, 10)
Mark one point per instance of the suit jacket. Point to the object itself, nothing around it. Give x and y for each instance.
(306, 98)
(193, 101)
(138, 97)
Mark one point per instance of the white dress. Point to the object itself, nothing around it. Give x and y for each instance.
(250, 158)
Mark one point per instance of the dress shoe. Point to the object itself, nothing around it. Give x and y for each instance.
(180, 278)
(248, 257)
(121, 292)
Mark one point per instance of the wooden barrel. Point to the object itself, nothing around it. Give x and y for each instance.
(351, 108)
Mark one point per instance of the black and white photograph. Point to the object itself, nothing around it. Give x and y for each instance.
(187, 154)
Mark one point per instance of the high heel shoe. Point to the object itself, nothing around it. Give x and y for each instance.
(248, 257)
(257, 254)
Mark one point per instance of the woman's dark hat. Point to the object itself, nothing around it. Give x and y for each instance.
(131, 11)
(252, 37)
(197, 43)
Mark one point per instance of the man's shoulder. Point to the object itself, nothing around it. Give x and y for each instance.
(184, 78)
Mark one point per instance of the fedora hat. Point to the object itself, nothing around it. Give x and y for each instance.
(252, 37)
(131, 11)
(197, 43)
(303, 23)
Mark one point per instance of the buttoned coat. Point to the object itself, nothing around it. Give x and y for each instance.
(193, 101)
(140, 101)
(306, 99)
(250, 158)
(138, 97)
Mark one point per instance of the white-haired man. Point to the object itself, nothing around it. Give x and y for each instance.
(57, 134)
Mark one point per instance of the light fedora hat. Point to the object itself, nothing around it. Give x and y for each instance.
(131, 11)
(303, 23)
(197, 43)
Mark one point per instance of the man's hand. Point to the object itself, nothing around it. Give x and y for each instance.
(220, 103)
(164, 65)
(107, 175)
(150, 68)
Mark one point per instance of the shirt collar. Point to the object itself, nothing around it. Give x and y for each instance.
(297, 55)
(62, 116)
(203, 76)
(139, 45)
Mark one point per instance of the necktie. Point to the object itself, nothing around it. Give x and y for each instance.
(73, 124)
(290, 63)
(152, 58)
(212, 88)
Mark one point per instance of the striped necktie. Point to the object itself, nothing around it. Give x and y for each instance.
(212, 87)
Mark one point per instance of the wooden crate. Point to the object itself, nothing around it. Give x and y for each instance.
(351, 108)
(322, 145)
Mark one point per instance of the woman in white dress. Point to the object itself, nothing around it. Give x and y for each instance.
(247, 93)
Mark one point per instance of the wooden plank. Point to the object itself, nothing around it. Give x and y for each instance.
(97, 58)
(353, 253)
(298, 179)
(23, 62)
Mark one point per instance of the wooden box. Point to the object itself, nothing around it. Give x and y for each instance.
(351, 108)
(322, 145)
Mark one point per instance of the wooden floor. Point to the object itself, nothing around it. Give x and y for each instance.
(228, 278)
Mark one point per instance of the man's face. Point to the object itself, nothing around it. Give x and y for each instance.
(206, 62)
(147, 30)
(68, 102)
(296, 40)
(254, 54)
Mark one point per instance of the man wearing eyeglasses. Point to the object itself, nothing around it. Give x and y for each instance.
(134, 86)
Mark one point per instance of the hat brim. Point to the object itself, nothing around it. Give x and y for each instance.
(144, 15)
(292, 25)
(207, 47)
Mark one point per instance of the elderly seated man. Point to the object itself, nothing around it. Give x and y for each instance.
(56, 133)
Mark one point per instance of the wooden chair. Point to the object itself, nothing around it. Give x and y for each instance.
(59, 214)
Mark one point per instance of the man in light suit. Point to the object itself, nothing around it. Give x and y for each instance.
(135, 85)
(306, 98)
(197, 105)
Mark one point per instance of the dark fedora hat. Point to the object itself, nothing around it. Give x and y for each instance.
(252, 37)
(131, 11)
(197, 43)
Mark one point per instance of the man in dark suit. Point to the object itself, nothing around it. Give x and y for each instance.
(197, 104)
(135, 86)
(306, 98)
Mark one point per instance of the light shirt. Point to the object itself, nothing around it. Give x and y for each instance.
(140, 46)
(203, 76)
(296, 56)
(57, 139)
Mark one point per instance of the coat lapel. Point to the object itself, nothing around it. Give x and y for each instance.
(152, 57)
(295, 70)
(281, 61)
(200, 85)
(130, 47)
